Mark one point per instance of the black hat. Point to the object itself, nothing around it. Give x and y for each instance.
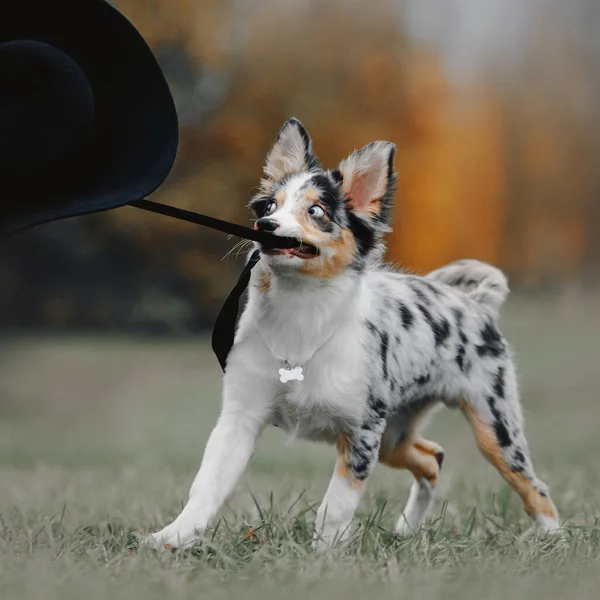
(87, 121)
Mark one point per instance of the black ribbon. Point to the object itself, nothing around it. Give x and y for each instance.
(268, 240)
(224, 327)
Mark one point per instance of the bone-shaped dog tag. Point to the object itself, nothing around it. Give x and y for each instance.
(289, 374)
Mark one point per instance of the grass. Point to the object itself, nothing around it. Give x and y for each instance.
(101, 437)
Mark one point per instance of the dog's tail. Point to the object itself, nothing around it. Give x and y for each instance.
(480, 281)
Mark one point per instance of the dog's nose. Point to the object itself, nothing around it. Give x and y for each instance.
(266, 224)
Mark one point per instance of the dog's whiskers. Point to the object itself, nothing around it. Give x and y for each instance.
(240, 246)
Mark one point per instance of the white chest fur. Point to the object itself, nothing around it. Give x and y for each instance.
(319, 331)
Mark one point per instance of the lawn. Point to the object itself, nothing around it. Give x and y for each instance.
(101, 437)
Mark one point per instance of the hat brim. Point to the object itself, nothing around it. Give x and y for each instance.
(134, 139)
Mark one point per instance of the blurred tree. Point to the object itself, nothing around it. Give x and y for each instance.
(503, 167)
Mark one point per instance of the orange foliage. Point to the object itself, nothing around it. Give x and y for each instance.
(467, 186)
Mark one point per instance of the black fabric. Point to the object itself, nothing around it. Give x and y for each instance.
(266, 239)
(87, 121)
(224, 329)
(38, 134)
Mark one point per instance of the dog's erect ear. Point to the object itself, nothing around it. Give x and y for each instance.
(367, 180)
(291, 153)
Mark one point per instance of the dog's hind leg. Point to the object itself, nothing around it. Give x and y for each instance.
(403, 448)
(498, 426)
(424, 460)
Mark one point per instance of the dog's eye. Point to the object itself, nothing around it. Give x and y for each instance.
(316, 211)
(271, 206)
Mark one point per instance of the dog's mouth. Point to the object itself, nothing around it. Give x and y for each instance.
(303, 250)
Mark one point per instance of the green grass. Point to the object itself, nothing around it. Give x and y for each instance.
(101, 437)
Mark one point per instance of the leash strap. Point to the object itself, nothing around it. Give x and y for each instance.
(224, 328)
(268, 240)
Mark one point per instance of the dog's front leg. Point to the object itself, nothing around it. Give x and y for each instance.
(357, 456)
(229, 448)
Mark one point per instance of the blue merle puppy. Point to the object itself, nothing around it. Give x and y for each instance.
(336, 346)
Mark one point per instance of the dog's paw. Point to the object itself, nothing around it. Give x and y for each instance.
(545, 528)
(404, 529)
(547, 525)
(174, 537)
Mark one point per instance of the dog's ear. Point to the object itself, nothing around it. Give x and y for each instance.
(368, 179)
(291, 153)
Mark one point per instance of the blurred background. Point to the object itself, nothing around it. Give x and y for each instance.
(494, 106)
(108, 387)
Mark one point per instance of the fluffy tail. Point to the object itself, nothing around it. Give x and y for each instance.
(482, 282)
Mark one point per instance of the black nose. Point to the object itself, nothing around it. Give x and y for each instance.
(265, 224)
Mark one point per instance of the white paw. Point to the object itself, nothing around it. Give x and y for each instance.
(546, 525)
(404, 529)
(175, 536)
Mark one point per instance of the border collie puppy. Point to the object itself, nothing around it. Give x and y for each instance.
(336, 346)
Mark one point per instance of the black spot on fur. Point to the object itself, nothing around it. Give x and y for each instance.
(459, 316)
(460, 358)
(439, 456)
(383, 351)
(427, 315)
(502, 434)
(328, 192)
(360, 463)
(362, 232)
(336, 175)
(372, 328)
(432, 288)
(377, 405)
(419, 292)
(406, 315)
(423, 379)
(441, 329)
(491, 342)
(518, 462)
(499, 383)
(259, 205)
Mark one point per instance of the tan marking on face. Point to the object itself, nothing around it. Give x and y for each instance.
(312, 196)
(309, 198)
(533, 501)
(341, 464)
(327, 267)
(280, 197)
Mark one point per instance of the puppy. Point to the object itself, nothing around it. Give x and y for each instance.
(335, 346)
